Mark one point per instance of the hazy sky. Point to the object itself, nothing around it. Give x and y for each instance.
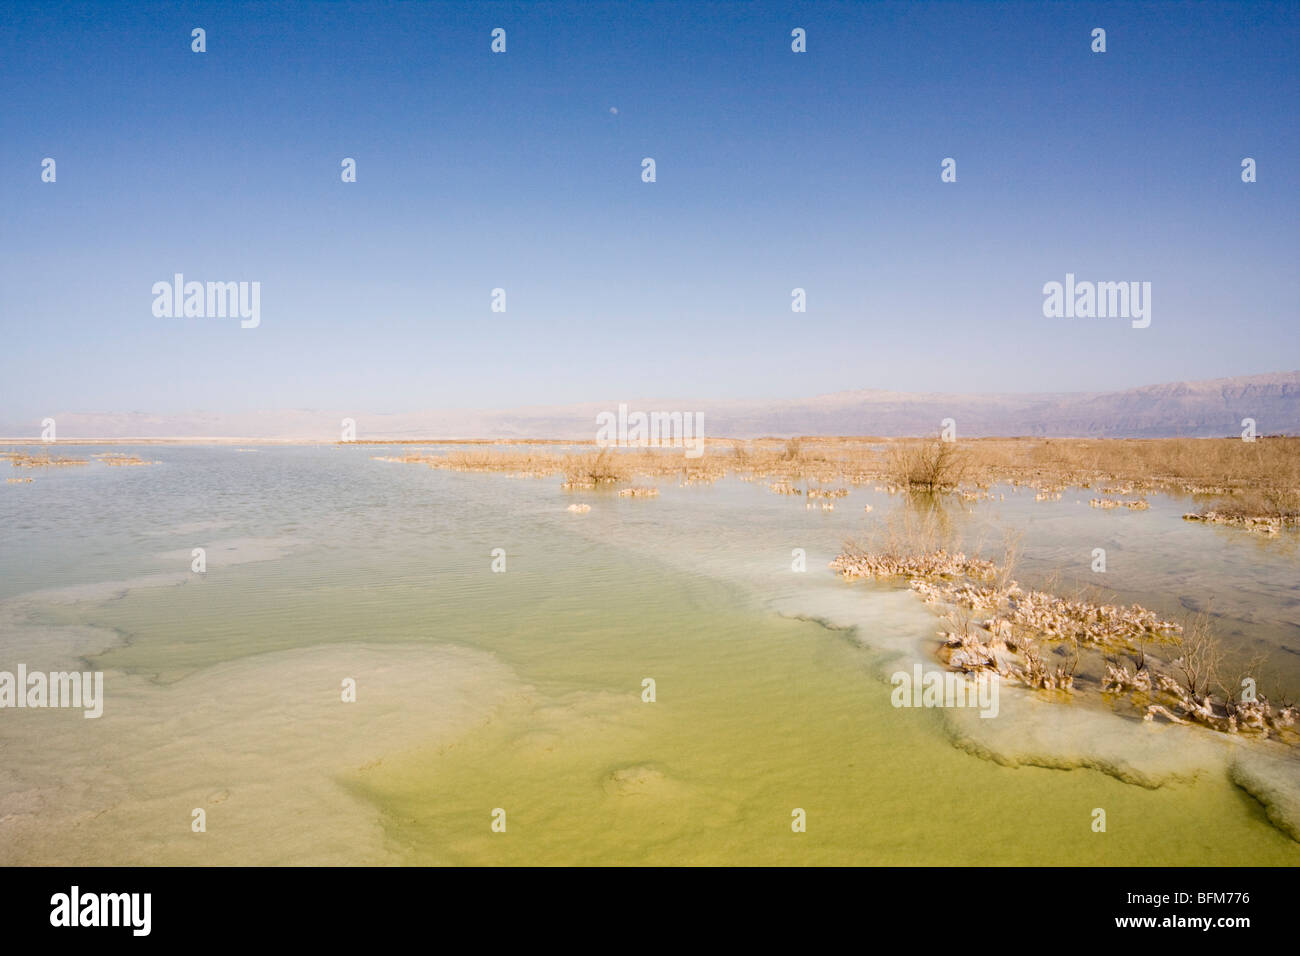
(775, 170)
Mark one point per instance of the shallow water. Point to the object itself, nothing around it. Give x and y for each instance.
(522, 690)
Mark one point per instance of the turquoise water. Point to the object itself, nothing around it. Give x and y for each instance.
(522, 690)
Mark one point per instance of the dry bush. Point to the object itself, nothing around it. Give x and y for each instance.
(1260, 478)
(909, 532)
(1268, 466)
(604, 467)
(1230, 675)
(1200, 657)
(1010, 558)
(931, 466)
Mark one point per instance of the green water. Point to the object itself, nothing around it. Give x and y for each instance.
(760, 721)
(522, 690)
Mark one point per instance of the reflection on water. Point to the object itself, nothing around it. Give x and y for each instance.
(522, 690)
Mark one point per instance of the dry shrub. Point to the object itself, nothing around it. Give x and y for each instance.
(932, 466)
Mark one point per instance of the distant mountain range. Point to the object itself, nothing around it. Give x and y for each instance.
(1192, 409)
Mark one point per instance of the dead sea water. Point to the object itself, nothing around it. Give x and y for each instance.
(522, 690)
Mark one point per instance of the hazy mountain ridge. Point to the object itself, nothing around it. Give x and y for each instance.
(1208, 408)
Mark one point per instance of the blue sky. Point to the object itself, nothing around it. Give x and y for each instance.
(775, 170)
